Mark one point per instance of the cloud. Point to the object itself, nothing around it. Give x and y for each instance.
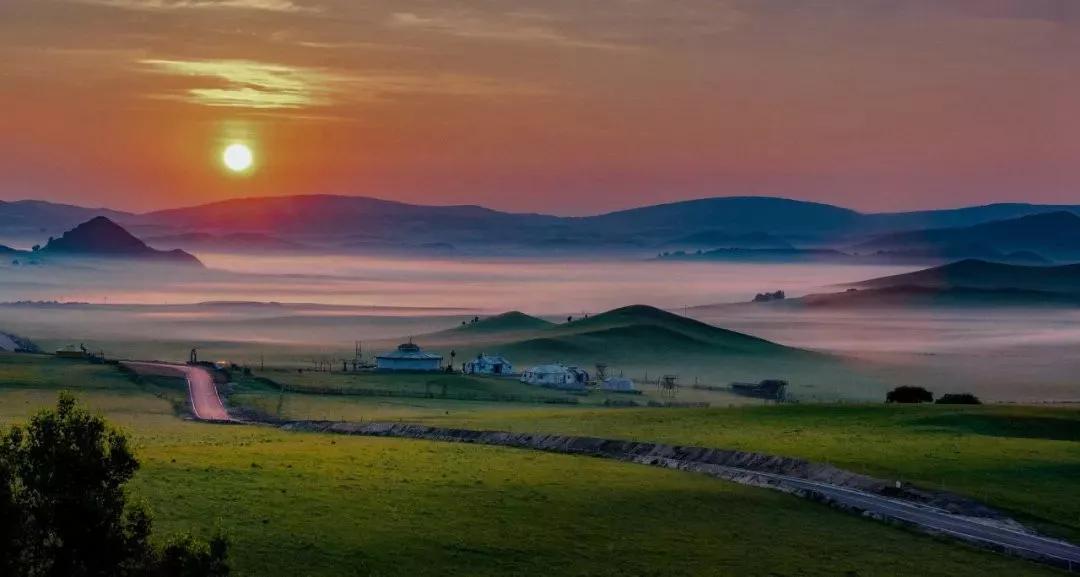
(522, 28)
(260, 85)
(249, 84)
(167, 5)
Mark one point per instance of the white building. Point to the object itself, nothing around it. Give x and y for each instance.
(556, 376)
(488, 365)
(408, 357)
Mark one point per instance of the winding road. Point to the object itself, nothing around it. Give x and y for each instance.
(929, 519)
(206, 405)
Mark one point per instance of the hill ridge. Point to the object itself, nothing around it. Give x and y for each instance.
(100, 236)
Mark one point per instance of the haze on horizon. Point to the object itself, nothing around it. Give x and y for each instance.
(562, 106)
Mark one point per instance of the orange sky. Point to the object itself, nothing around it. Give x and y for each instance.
(562, 106)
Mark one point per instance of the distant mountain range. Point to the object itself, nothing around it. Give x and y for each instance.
(979, 274)
(965, 283)
(1024, 240)
(36, 217)
(324, 222)
(100, 237)
(1054, 234)
(917, 296)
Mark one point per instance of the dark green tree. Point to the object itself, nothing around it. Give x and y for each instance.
(10, 520)
(63, 508)
(186, 556)
(907, 394)
(958, 399)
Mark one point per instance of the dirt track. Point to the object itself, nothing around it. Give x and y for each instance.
(202, 393)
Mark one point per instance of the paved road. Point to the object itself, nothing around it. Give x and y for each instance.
(205, 402)
(980, 532)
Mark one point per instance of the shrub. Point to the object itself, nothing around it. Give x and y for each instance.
(958, 399)
(908, 394)
(64, 511)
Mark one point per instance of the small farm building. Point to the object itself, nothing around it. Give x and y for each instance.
(556, 376)
(488, 365)
(408, 357)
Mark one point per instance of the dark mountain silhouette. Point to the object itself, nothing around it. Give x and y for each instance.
(979, 274)
(332, 220)
(919, 296)
(1055, 234)
(102, 237)
(37, 216)
(958, 217)
(326, 214)
(726, 219)
(736, 214)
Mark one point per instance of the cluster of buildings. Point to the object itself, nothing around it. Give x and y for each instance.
(409, 357)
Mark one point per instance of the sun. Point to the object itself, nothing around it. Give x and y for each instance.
(237, 157)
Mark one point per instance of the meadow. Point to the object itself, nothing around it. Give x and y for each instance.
(310, 504)
(1023, 459)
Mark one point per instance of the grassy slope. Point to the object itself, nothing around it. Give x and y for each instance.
(298, 504)
(640, 330)
(506, 322)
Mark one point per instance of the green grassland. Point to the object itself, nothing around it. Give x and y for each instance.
(1023, 459)
(262, 383)
(309, 504)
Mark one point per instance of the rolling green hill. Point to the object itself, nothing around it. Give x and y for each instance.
(650, 330)
(636, 335)
(512, 321)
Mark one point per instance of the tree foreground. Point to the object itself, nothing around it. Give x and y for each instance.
(64, 511)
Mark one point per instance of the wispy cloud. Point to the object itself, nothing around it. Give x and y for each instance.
(521, 28)
(248, 84)
(260, 85)
(169, 5)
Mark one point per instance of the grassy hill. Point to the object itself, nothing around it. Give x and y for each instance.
(650, 327)
(642, 341)
(632, 333)
(513, 321)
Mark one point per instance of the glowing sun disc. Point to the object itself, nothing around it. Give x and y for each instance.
(237, 157)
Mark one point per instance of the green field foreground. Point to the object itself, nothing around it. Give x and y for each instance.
(1025, 460)
(309, 504)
